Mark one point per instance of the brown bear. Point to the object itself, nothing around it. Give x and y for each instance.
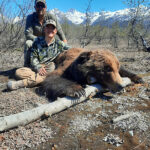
(77, 67)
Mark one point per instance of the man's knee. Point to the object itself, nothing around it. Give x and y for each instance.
(29, 77)
(23, 73)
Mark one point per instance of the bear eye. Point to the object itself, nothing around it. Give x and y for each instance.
(107, 69)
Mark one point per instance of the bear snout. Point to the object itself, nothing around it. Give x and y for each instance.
(117, 88)
(115, 84)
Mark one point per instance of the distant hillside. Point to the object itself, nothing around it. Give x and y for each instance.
(104, 18)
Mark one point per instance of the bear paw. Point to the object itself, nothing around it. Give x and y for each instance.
(137, 79)
(75, 91)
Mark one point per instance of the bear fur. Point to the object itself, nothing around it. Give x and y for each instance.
(78, 67)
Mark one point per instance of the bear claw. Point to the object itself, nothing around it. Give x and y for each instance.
(79, 93)
(75, 91)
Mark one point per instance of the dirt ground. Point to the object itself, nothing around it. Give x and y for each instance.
(86, 126)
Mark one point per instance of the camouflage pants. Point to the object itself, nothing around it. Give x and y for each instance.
(28, 45)
(31, 78)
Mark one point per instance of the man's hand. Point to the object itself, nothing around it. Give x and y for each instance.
(42, 71)
(65, 41)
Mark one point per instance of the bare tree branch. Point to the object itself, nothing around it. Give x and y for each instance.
(87, 35)
(12, 22)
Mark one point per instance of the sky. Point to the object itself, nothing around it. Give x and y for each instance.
(81, 5)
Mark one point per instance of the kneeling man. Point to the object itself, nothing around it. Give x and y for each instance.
(44, 51)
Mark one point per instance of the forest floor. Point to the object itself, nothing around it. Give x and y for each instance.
(86, 126)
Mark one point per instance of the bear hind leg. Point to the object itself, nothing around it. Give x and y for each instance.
(134, 77)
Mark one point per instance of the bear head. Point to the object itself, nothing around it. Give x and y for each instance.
(98, 66)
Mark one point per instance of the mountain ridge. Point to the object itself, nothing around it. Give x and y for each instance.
(76, 17)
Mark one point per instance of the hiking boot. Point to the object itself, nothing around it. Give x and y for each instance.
(14, 85)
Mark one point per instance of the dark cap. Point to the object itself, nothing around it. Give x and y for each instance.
(50, 22)
(42, 1)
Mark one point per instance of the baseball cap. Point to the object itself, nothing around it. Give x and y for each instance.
(42, 1)
(50, 22)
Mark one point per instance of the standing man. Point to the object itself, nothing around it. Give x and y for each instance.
(34, 27)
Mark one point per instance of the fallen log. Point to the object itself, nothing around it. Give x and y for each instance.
(23, 118)
(60, 104)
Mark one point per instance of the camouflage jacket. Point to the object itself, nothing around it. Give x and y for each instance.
(41, 53)
(34, 29)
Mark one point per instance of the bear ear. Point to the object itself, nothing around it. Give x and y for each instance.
(85, 56)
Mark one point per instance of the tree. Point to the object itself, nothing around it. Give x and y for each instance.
(137, 19)
(114, 34)
(12, 22)
(87, 34)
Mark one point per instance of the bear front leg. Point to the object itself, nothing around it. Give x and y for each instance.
(56, 86)
(74, 90)
(134, 77)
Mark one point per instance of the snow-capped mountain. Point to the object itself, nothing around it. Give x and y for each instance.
(75, 17)
(72, 16)
(105, 17)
